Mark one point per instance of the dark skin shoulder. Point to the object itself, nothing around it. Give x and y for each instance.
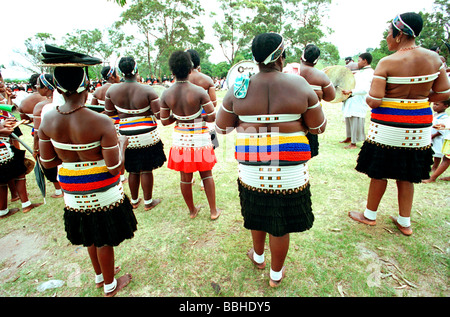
(131, 96)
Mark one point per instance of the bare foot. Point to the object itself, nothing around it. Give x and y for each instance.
(351, 146)
(136, 204)
(194, 213)
(154, 203)
(273, 283)
(10, 213)
(57, 196)
(216, 214)
(407, 231)
(258, 265)
(116, 271)
(16, 198)
(447, 179)
(427, 181)
(121, 283)
(347, 140)
(27, 209)
(358, 216)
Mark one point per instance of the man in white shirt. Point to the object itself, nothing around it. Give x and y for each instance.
(355, 107)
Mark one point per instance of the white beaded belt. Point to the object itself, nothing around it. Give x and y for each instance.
(143, 140)
(399, 137)
(95, 201)
(6, 153)
(274, 177)
(190, 139)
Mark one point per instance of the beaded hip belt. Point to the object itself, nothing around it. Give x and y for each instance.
(274, 178)
(89, 185)
(143, 140)
(399, 137)
(6, 153)
(267, 147)
(137, 125)
(191, 135)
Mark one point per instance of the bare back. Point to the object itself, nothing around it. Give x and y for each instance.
(83, 126)
(417, 62)
(131, 96)
(273, 93)
(184, 99)
(318, 78)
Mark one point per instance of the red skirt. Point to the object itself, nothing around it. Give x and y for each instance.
(191, 159)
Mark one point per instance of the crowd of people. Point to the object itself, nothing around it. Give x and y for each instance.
(276, 116)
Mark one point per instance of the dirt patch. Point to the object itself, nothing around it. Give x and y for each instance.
(17, 249)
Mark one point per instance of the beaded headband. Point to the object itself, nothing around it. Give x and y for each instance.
(81, 87)
(110, 73)
(46, 83)
(275, 54)
(402, 26)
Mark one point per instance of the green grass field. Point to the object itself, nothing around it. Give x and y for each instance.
(172, 255)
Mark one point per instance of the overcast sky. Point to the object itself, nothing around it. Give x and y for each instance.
(357, 24)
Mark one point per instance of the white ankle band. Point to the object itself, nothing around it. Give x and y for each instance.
(148, 202)
(99, 278)
(276, 276)
(258, 258)
(108, 288)
(26, 204)
(404, 221)
(369, 214)
(134, 201)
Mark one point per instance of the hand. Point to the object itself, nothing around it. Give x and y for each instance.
(439, 126)
(123, 140)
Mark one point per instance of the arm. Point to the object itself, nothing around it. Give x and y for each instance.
(378, 86)
(441, 87)
(226, 120)
(113, 147)
(209, 108)
(165, 112)
(110, 110)
(314, 117)
(48, 156)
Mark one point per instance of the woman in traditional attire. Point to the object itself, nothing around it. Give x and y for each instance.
(192, 149)
(137, 105)
(45, 88)
(398, 145)
(12, 169)
(319, 82)
(97, 213)
(272, 112)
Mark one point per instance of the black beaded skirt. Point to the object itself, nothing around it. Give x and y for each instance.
(108, 227)
(387, 162)
(51, 174)
(313, 140)
(277, 213)
(145, 158)
(14, 167)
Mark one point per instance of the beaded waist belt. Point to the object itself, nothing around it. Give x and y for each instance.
(398, 112)
(267, 147)
(143, 140)
(277, 178)
(137, 125)
(89, 186)
(399, 137)
(191, 135)
(6, 153)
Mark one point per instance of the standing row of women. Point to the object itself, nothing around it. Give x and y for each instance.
(272, 112)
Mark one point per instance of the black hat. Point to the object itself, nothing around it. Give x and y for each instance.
(55, 56)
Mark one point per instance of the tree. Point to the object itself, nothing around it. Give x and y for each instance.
(166, 26)
(34, 47)
(299, 21)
